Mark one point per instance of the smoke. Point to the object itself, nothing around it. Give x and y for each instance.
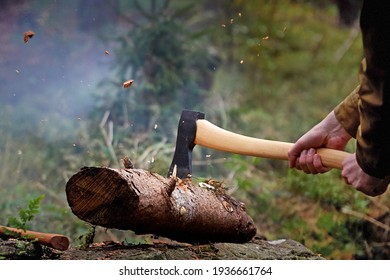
(47, 84)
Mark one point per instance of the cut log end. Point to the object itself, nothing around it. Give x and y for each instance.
(98, 196)
(146, 203)
(60, 243)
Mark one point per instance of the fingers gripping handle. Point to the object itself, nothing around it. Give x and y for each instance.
(214, 137)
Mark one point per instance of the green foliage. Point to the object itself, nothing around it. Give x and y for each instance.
(26, 214)
(167, 62)
(87, 239)
(336, 234)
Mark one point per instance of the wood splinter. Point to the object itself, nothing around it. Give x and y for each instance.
(171, 185)
(172, 181)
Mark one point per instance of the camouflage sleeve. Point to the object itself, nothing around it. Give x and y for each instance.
(347, 112)
(373, 133)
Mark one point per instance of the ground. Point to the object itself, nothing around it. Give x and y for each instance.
(256, 249)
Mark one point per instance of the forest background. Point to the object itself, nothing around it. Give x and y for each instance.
(267, 69)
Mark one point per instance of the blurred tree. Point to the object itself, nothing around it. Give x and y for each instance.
(165, 56)
(348, 11)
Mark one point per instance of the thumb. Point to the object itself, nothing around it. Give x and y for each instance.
(293, 154)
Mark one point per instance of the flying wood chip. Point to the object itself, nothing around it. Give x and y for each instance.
(127, 83)
(28, 35)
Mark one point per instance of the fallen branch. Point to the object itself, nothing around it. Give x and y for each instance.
(147, 203)
(365, 217)
(53, 240)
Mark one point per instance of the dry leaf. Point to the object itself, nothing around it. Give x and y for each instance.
(28, 35)
(127, 83)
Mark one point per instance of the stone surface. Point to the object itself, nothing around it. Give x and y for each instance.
(257, 249)
(253, 250)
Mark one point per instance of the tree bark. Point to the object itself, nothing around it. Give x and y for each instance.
(147, 203)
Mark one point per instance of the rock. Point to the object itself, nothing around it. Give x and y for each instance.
(256, 249)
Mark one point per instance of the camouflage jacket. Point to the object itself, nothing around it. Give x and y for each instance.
(365, 113)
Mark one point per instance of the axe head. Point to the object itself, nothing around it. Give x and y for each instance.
(185, 142)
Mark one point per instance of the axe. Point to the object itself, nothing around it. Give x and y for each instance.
(193, 130)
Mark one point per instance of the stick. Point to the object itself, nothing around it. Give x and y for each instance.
(365, 217)
(53, 240)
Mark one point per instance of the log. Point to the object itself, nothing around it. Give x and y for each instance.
(147, 203)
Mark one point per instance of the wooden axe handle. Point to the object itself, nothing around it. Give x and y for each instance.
(53, 240)
(212, 136)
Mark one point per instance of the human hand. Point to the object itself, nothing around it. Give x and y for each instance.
(328, 133)
(361, 181)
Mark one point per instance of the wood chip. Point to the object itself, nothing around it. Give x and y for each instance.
(28, 35)
(128, 83)
(127, 163)
(227, 206)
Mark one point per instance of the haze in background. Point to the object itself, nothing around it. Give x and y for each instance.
(49, 81)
